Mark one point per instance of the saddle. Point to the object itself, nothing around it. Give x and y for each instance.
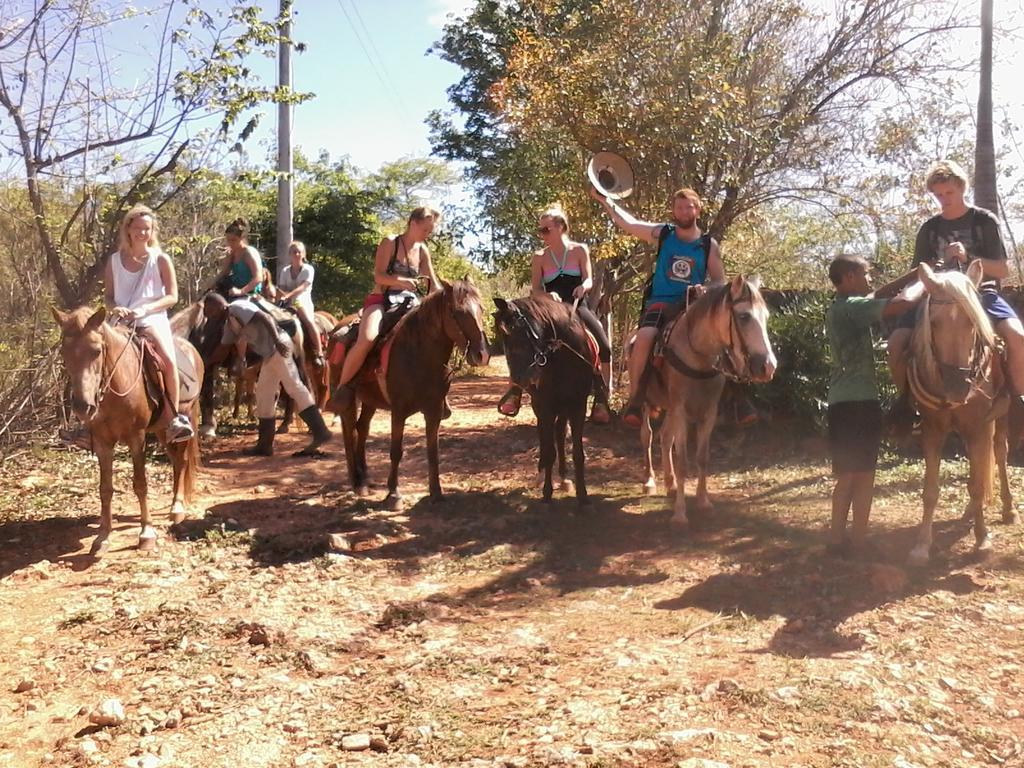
(376, 364)
(189, 380)
(286, 320)
(672, 316)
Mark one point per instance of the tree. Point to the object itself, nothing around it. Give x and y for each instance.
(122, 138)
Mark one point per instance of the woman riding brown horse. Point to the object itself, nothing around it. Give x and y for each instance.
(416, 380)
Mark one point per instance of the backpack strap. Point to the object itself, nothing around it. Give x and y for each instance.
(663, 235)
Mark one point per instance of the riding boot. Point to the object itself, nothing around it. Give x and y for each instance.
(321, 434)
(265, 442)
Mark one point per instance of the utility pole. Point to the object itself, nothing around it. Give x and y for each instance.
(284, 136)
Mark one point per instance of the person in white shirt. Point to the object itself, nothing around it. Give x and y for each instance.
(295, 289)
(140, 286)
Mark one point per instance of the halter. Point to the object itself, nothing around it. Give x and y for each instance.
(542, 349)
(462, 346)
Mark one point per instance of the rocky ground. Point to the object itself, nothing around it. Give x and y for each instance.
(289, 623)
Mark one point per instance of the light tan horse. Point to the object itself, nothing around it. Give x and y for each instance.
(108, 393)
(722, 334)
(955, 377)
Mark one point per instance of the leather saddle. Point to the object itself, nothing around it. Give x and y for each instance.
(189, 379)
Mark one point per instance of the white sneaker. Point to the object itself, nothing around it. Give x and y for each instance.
(180, 429)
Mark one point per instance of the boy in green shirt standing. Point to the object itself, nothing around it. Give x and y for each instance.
(854, 413)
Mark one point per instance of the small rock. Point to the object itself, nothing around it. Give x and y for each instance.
(728, 685)
(378, 744)
(700, 762)
(26, 684)
(109, 712)
(103, 665)
(145, 760)
(355, 742)
(173, 719)
(767, 734)
(88, 747)
(949, 683)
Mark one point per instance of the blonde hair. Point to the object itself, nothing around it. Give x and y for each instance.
(301, 246)
(944, 171)
(137, 211)
(558, 214)
(424, 212)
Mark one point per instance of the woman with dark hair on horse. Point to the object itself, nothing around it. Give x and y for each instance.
(400, 263)
(241, 272)
(562, 270)
(140, 286)
(295, 289)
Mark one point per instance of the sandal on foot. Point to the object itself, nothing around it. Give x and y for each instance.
(511, 402)
(632, 416)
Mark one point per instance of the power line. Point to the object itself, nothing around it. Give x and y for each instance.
(385, 84)
(380, 59)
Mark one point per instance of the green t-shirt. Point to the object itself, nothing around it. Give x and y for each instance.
(849, 322)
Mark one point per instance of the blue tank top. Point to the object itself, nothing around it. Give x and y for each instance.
(680, 265)
(241, 274)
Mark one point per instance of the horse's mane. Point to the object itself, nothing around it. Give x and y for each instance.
(959, 289)
(423, 322)
(552, 319)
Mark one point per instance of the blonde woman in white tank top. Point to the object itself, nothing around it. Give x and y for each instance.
(140, 287)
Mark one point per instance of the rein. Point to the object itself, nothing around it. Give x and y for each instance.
(541, 351)
(108, 384)
(717, 365)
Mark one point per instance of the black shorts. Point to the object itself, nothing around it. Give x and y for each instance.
(854, 434)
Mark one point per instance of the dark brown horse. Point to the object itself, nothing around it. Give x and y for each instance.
(548, 356)
(109, 395)
(417, 380)
(953, 374)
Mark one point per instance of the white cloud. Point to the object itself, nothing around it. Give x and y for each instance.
(442, 10)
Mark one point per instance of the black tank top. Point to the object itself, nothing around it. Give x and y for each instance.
(564, 285)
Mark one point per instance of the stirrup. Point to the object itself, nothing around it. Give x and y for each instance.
(514, 396)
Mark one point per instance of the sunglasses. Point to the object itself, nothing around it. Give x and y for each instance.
(543, 230)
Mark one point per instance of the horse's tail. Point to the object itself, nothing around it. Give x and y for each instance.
(192, 460)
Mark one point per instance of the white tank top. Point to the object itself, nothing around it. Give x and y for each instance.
(133, 289)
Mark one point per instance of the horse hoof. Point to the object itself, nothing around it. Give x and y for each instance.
(984, 548)
(208, 431)
(1011, 517)
(282, 429)
(177, 514)
(363, 490)
(147, 540)
(705, 508)
(99, 547)
(679, 522)
(918, 557)
(568, 486)
(650, 488)
(394, 502)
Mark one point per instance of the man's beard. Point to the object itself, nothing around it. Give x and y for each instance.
(686, 223)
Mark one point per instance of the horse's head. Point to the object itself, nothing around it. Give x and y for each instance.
(522, 341)
(81, 347)
(742, 326)
(953, 338)
(464, 322)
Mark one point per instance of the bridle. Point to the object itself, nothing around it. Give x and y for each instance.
(725, 362)
(973, 374)
(463, 339)
(107, 379)
(542, 348)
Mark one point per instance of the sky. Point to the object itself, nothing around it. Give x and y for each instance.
(367, 63)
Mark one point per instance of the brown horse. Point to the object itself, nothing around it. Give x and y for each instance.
(417, 380)
(722, 334)
(319, 377)
(108, 393)
(955, 377)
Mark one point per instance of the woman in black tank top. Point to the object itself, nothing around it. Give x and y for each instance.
(563, 271)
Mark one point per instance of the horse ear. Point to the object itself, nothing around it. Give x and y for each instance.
(975, 272)
(926, 276)
(501, 304)
(736, 287)
(59, 316)
(447, 286)
(96, 320)
(467, 279)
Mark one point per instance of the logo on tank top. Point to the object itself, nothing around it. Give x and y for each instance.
(681, 269)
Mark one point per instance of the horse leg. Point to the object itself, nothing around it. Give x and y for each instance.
(675, 427)
(137, 447)
(702, 444)
(176, 453)
(646, 439)
(579, 417)
(560, 430)
(668, 470)
(394, 497)
(208, 427)
(1002, 451)
(546, 431)
(932, 437)
(105, 456)
(348, 439)
(979, 452)
(362, 432)
(433, 424)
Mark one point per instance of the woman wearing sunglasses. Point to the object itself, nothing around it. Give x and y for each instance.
(563, 271)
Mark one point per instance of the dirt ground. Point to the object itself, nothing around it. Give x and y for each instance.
(493, 630)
